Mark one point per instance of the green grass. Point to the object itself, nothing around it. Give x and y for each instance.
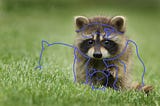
(21, 33)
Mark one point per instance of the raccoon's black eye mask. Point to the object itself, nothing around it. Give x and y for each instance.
(110, 45)
(105, 73)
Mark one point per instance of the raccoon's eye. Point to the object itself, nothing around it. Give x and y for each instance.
(106, 42)
(90, 42)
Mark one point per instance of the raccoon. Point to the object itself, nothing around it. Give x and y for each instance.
(97, 47)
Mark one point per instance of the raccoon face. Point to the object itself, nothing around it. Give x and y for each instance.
(97, 46)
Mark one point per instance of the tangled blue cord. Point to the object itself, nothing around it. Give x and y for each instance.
(105, 73)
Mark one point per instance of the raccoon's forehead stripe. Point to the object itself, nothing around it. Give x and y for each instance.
(96, 36)
(101, 24)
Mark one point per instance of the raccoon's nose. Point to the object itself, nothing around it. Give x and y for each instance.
(97, 55)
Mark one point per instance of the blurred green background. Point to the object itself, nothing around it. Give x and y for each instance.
(24, 23)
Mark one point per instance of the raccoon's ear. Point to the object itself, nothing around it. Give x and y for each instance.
(119, 22)
(80, 21)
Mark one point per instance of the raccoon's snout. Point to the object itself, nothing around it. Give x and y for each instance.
(97, 55)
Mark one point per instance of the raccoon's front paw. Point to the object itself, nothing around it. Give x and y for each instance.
(145, 88)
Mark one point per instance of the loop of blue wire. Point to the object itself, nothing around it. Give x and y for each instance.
(89, 75)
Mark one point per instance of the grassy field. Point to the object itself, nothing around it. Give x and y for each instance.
(21, 32)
